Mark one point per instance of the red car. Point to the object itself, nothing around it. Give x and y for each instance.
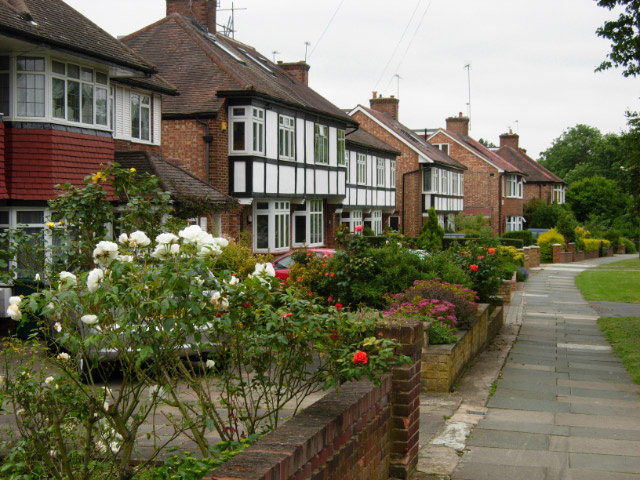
(282, 265)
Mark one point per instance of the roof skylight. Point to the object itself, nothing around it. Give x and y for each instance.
(224, 48)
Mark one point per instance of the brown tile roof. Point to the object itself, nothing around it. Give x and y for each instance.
(180, 183)
(535, 172)
(410, 137)
(365, 139)
(483, 151)
(207, 67)
(57, 25)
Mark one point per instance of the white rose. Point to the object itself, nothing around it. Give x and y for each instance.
(190, 234)
(53, 453)
(36, 278)
(57, 327)
(166, 238)
(264, 269)
(234, 280)
(13, 311)
(64, 356)
(224, 303)
(215, 298)
(123, 238)
(209, 249)
(139, 239)
(114, 447)
(15, 301)
(48, 380)
(101, 447)
(210, 363)
(161, 251)
(93, 279)
(89, 319)
(221, 242)
(105, 252)
(125, 258)
(67, 278)
(175, 249)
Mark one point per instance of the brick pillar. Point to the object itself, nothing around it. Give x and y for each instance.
(405, 398)
(558, 253)
(534, 252)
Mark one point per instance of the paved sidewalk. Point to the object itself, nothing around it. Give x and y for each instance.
(565, 407)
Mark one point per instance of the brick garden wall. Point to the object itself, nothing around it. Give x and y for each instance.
(363, 433)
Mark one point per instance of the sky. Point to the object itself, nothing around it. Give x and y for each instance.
(531, 63)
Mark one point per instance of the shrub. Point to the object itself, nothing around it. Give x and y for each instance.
(613, 236)
(509, 269)
(462, 298)
(432, 233)
(566, 225)
(482, 265)
(546, 242)
(593, 244)
(440, 334)
(368, 231)
(472, 224)
(440, 313)
(511, 254)
(522, 274)
(629, 245)
(525, 235)
(539, 214)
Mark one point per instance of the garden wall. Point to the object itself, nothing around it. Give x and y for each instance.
(363, 432)
(442, 365)
(531, 257)
(568, 254)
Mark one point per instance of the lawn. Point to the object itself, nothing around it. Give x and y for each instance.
(624, 335)
(616, 282)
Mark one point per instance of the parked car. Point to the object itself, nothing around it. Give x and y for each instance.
(282, 265)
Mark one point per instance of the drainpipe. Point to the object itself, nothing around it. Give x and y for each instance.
(403, 190)
(208, 138)
(500, 200)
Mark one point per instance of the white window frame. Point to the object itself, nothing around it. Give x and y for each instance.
(35, 80)
(392, 173)
(352, 218)
(321, 144)
(361, 168)
(278, 213)
(455, 183)
(315, 224)
(239, 115)
(380, 172)
(257, 130)
(376, 221)
(13, 223)
(558, 194)
(342, 149)
(514, 186)
(444, 188)
(286, 138)
(144, 109)
(514, 223)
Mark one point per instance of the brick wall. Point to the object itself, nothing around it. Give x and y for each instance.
(182, 141)
(406, 162)
(363, 433)
(480, 188)
(127, 146)
(537, 191)
(37, 159)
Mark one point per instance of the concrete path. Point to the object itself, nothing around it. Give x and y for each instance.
(565, 407)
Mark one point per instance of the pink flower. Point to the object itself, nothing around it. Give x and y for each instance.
(480, 257)
(358, 229)
(287, 315)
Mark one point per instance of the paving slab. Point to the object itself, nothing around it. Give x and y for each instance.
(516, 457)
(605, 463)
(474, 471)
(508, 439)
(524, 427)
(594, 445)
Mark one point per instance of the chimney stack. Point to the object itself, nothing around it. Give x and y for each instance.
(509, 139)
(298, 70)
(459, 125)
(389, 105)
(204, 11)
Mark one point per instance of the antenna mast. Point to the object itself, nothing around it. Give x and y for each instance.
(230, 28)
(306, 47)
(468, 67)
(398, 77)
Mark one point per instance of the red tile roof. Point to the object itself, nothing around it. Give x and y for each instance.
(535, 172)
(55, 24)
(482, 151)
(410, 137)
(207, 67)
(363, 138)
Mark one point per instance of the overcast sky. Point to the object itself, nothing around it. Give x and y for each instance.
(532, 63)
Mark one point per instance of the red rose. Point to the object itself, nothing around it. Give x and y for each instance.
(330, 299)
(473, 267)
(246, 304)
(287, 315)
(338, 306)
(360, 357)
(358, 228)
(492, 251)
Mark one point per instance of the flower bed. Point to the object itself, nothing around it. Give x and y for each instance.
(442, 365)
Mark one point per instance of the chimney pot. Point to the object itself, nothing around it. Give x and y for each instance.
(459, 125)
(375, 94)
(509, 139)
(387, 105)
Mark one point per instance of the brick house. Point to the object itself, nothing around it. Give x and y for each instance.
(252, 128)
(541, 183)
(71, 98)
(425, 175)
(494, 187)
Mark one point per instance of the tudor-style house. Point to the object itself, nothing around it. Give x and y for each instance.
(541, 184)
(494, 187)
(72, 97)
(252, 128)
(425, 176)
(371, 182)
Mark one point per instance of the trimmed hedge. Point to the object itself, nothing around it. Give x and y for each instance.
(546, 242)
(525, 235)
(593, 244)
(512, 242)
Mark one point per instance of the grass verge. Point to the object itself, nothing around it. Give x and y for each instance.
(620, 283)
(624, 335)
(631, 263)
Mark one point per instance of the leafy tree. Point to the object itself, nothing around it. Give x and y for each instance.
(539, 214)
(487, 143)
(624, 34)
(597, 196)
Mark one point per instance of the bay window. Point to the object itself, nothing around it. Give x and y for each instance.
(141, 116)
(30, 86)
(238, 129)
(361, 169)
(286, 138)
(272, 225)
(258, 129)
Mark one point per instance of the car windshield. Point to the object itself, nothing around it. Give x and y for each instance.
(286, 262)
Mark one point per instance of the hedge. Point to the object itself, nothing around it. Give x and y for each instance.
(525, 235)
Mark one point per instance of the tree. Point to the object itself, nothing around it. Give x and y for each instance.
(597, 196)
(432, 233)
(583, 151)
(487, 143)
(624, 34)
